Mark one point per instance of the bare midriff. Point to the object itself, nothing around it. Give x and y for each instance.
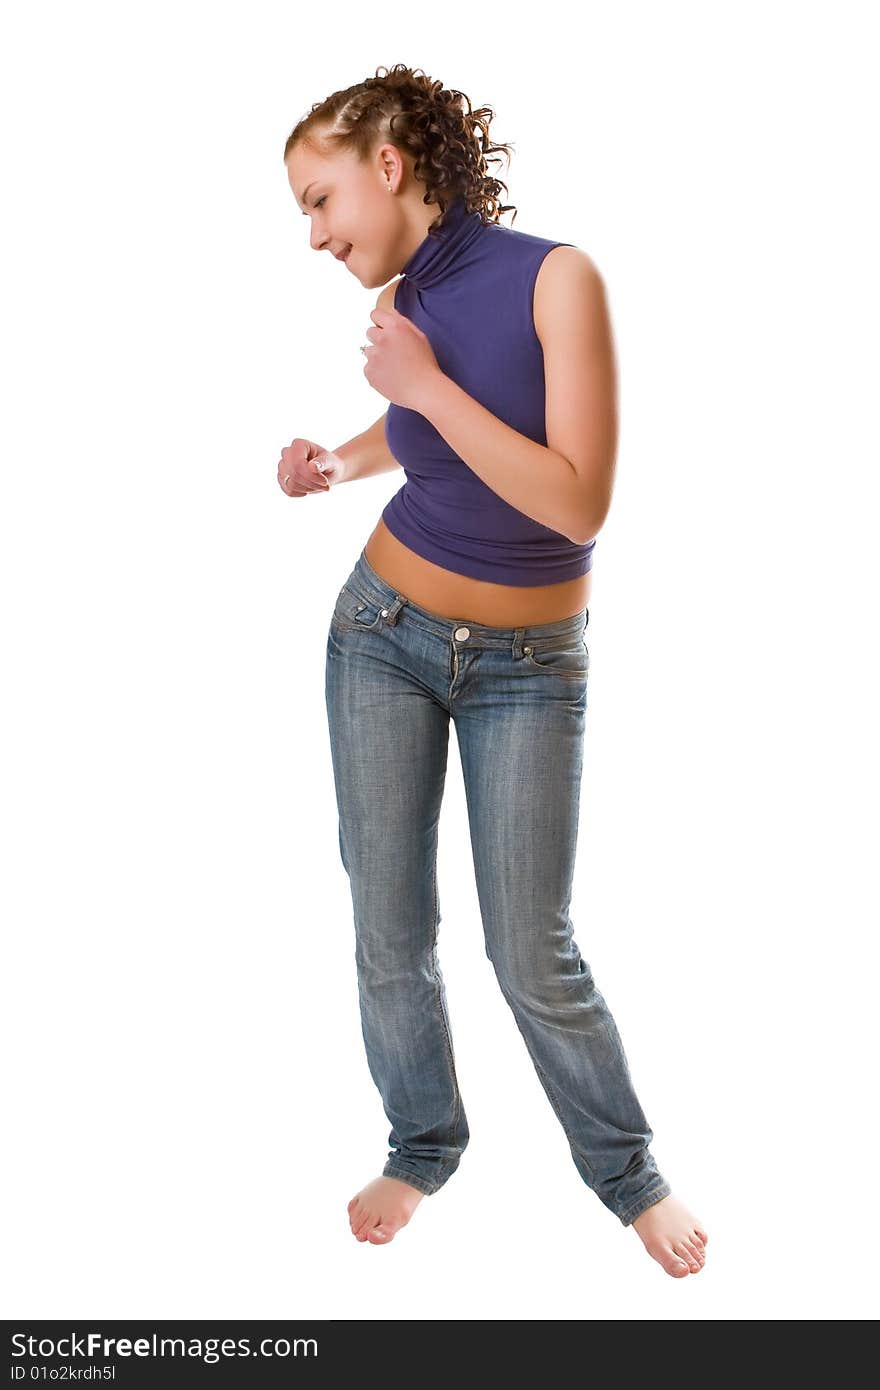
(453, 596)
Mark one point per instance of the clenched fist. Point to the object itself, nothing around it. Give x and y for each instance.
(401, 362)
(305, 467)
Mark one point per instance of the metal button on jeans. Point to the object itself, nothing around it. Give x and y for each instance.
(384, 612)
(462, 634)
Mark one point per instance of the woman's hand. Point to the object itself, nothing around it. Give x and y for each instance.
(401, 363)
(304, 467)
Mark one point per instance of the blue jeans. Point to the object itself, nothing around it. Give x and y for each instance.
(395, 674)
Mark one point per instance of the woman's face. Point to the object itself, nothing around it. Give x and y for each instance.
(351, 209)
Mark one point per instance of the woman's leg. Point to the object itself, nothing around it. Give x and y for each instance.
(389, 740)
(519, 717)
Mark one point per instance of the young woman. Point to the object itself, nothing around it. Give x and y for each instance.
(469, 601)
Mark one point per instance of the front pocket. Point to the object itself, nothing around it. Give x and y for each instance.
(567, 657)
(352, 613)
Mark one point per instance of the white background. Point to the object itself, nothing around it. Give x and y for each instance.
(188, 1102)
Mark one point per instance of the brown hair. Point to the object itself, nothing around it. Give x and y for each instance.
(437, 127)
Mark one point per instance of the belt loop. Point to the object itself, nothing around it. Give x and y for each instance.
(518, 635)
(392, 612)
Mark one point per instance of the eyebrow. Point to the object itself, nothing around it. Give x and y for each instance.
(303, 197)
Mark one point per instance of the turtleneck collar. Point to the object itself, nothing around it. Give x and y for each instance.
(437, 254)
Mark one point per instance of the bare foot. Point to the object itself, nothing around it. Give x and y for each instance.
(378, 1211)
(674, 1237)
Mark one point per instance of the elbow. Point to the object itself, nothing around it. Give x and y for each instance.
(590, 526)
(592, 502)
(586, 534)
(588, 517)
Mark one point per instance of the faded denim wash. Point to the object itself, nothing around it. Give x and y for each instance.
(395, 674)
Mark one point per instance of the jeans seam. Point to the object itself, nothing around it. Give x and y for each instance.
(451, 1059)
(551, 1094)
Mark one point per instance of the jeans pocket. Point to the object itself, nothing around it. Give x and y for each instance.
(353, 613)
(566, 656)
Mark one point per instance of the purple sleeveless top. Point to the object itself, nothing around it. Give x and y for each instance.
(469, 286)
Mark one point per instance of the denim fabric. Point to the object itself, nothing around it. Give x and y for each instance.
(395, 674)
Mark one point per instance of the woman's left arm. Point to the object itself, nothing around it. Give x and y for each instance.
(567, 485)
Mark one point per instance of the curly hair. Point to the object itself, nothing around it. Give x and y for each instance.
(448, 141)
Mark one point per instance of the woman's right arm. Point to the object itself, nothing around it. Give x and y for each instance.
(306, 467)
(366, 455)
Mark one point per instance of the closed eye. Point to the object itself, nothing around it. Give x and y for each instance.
(321, 200)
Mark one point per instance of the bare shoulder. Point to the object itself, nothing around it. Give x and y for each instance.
(568, 279)
(386, 296)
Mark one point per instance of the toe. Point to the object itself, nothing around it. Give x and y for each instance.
(380, 1235)
(696, 1253)
(689, 1256)
(675, 1265)
(361, 1222)
(702, 1234)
